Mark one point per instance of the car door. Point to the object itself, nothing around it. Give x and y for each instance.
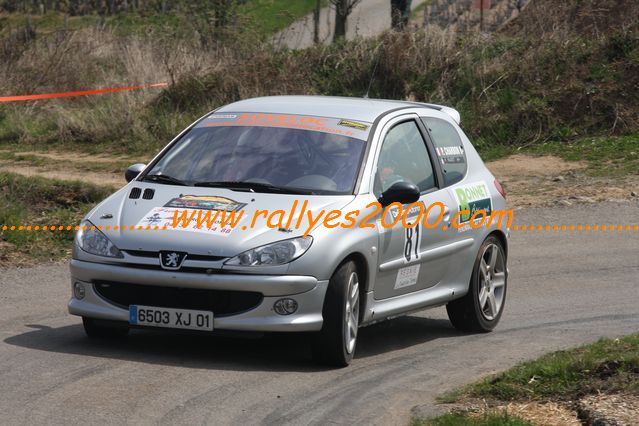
(415, 257)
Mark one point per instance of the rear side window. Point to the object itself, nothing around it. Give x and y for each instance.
(449, 148)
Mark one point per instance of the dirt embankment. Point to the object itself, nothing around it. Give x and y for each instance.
(541, 181)
(529, 180)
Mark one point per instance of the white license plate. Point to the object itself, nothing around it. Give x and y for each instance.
(171, 318)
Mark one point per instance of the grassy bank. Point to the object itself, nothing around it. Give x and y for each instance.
(514, 89)
(609, 366)
(41, 202)
(262, 18)
(465, 419)
(605, 366)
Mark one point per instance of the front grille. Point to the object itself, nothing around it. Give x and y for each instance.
(156, 254)
(221, 302)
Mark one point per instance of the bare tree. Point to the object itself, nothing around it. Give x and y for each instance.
(316, 20)
(343, 8)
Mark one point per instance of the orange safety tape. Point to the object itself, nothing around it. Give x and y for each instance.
(80, 93)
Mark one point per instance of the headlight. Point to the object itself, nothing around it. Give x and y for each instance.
(95, 242)
(272, 254)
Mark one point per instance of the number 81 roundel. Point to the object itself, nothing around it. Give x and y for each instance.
(412, 243)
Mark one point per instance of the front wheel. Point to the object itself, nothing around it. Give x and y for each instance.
(481, 308)
(335, 343)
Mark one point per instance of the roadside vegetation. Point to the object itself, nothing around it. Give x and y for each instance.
(465, 419)
(560, 80)
(607, 367)
(41, 202)
(260, 18)
(515, 89)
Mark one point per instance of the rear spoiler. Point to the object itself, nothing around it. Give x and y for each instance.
(452, 112)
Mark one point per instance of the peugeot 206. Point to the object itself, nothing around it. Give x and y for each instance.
(337, 213)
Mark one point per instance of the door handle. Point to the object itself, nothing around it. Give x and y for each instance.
(447, 215)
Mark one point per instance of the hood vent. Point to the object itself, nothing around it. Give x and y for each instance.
(148, 194)
(135, 193)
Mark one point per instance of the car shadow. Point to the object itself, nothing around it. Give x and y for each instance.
(271, 352)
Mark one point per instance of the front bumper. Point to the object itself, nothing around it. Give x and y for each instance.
(307, 291)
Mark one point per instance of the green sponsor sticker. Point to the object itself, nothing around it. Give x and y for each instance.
(473, 197)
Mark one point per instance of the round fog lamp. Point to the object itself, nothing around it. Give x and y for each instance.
(285, 306)
(78, 290)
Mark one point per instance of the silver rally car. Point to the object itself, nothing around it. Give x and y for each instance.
(398, 181)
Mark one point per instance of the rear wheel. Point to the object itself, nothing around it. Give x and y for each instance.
(103, 329)
(335, 343)
(481, 309)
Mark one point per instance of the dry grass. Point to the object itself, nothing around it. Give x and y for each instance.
(516, 89)
(86, 59)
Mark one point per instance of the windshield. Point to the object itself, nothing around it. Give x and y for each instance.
(322, 160)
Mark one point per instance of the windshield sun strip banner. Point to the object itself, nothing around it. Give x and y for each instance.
(338, 126)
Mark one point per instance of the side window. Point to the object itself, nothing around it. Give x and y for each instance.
(404, 157)
(449, 148)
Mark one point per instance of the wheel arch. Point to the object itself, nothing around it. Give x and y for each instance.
(362, 269)
(501, 236)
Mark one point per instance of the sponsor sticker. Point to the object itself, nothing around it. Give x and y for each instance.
(453, 160)
(336, 126)
(473, 197)
(407, 276)
(444, 151)
(205, 202)
(222, 116)
(189, 220)
(353, 124)
(196, 213)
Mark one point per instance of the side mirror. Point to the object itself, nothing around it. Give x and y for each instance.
(400, 192)
(134, 170)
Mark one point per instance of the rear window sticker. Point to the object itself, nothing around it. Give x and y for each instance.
(453, 160)
(445, 151)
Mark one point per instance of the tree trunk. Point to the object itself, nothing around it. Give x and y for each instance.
(341, 14)
(400, 14)
(316, 21)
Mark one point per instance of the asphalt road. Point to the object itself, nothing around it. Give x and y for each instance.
(565, 288)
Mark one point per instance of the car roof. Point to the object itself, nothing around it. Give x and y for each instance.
(361, 109)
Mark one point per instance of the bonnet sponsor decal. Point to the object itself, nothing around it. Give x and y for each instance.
(196, 213)
(205, 202)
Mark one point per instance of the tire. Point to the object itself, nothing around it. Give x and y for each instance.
(104, 329)
(470, 313)
(335, 344)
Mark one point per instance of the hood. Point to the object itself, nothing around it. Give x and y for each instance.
(149, 204)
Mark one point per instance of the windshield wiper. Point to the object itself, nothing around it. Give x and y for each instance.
(253, 187)
(164, 179)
